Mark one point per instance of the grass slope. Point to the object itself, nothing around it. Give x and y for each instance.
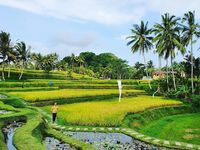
(28, 136)
(184, 127)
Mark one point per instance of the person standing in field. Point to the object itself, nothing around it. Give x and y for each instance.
(54, 110)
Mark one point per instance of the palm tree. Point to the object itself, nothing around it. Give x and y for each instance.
(190, 31)
(168, 39)
(4, 49)
(37, 60)
(62, 65)
(141, 40)
(11, 57)
(73, 61)
(150, 67)
(53, 58)
(23, 55)
(80, 60)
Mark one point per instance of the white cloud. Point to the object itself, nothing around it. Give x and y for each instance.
(74, 40)
(66, 43)
(176, 7)
(107, 12)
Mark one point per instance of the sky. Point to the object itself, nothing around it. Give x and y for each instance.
(74, 26)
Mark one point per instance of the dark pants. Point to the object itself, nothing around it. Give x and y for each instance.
(54, 117)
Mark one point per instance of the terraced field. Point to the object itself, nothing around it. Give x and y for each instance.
(108, 112)
(68, 93)
(86, 102)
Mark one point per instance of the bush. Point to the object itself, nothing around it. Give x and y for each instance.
(196, 101)
(170, 94)
(153, 89)
(182, 92)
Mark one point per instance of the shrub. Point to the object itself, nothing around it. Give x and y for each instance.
(196, 101)
(170, 94)
(182, 92)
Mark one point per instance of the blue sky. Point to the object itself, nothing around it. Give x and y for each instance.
(73, 26)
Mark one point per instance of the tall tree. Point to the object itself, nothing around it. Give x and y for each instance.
(37, 59)
(141, 40)
(150, 67)
(73, 61)
(11, 57)
(53, 59)
(80, 61)
(5, 43)
(168, 39)
(23, 56)
(191, 32)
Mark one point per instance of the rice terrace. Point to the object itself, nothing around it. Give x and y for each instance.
(62, 90)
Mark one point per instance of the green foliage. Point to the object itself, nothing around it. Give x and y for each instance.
(182, 92)
(3, 145)
(153, 89)
(6, 107)
(196, 101)
(15, 102)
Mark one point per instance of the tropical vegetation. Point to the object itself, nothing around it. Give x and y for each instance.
(162, 103)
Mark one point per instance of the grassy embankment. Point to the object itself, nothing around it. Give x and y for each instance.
(31, 135)
(183, 127)
(168, 123)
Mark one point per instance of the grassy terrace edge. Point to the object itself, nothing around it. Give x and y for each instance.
(37, 129)
(134, 133)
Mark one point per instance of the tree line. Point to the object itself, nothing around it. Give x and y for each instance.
(104, 65)
(173, 35)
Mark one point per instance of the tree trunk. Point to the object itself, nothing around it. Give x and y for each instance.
(192, 68)
(22, 71)
(8, 70)
(72, 66)
(146, 69)
(167, 75)
(159, 63)
(3, 67)
(174, 81)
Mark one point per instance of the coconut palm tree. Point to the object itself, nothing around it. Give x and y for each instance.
(5, 43)
(141, 40)
(191, 32)
(53, 59)
(80, 60)
(11, 57)
(167, 38)
(37, 60)
(73, 61)
(23, 55)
